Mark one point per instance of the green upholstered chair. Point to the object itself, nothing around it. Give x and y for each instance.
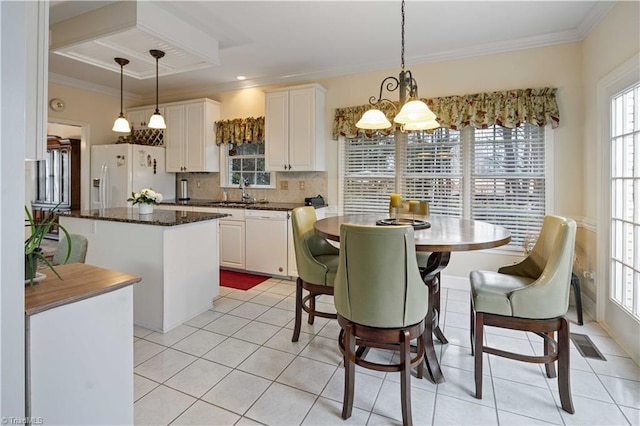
(78, 250)
(317, 262)
(381, 302)
(404, 212)
(533, 296)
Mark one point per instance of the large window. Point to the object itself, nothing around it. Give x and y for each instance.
(495, 174)
(625, 200)
(246, 162)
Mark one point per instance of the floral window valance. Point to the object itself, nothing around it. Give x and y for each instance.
(481, 110)
(240, 130)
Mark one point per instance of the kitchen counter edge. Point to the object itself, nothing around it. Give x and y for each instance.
(158, 217)
(225, 205)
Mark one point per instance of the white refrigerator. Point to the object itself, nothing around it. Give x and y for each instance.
(120, 169)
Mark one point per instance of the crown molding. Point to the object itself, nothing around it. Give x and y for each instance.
(596, 14)
(92, 87)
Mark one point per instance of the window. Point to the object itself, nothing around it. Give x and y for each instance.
(495, 174)
(625, 196)
(246, 162)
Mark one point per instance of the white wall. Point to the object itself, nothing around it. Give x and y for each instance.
(13, 33)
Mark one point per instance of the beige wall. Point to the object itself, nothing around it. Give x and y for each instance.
(614, 41)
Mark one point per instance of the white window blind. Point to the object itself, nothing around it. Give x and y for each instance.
(432, 170)
(495, 175)
(508, 179)
(369, 174)
(625, 196)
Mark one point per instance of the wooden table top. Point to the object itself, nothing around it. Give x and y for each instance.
(445, 234)
(79, 281)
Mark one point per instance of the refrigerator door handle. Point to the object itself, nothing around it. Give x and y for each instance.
(103, 186)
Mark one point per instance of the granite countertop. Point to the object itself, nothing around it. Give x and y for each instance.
(237, 204)
(158, 217)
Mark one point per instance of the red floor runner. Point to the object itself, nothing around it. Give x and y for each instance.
(240, 280)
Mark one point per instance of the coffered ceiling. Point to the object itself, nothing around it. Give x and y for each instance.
(272, 42)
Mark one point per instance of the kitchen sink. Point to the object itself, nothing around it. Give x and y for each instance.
(233, 203)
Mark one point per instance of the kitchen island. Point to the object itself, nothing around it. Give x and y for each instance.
(175, 253)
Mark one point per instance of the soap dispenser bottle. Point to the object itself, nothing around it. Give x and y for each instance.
(224, 195)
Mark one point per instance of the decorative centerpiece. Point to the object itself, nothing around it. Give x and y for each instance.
(32, 250)
(146, 199)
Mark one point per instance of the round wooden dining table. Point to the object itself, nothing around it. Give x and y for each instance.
(445, 234)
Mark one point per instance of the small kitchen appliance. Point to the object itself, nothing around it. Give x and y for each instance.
(184, 191)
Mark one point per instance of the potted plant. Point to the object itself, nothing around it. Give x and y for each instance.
(146, 199)
(33, 251)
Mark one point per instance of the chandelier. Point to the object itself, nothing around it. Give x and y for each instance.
(414, 114)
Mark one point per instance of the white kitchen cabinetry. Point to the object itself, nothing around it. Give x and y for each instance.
(190, 136)
(139, 117)
(293, 269)
(173, 207)
(294, 129)
(232, 236)
(266, 241)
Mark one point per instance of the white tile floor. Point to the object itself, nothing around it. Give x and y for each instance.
(235, 364)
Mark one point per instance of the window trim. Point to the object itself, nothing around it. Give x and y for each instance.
(224, 172)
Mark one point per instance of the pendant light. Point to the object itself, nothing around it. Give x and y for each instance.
(121, 124)
(414, 114)
(156, 121)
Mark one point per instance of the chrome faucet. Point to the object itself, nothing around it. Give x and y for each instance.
(244, 183)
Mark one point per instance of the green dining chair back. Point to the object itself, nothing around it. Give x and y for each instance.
(79, 245)
(317, 263)
(532, 296)
(381, 302)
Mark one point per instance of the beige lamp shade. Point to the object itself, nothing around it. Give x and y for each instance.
(421, 125)
(156, 121)
(121, 125)
(414, 112)
(374, 119)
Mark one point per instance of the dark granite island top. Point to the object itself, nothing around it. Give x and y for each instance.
(158, 217)
(237, 204)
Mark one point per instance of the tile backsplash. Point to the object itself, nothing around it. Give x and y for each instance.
(206, 186)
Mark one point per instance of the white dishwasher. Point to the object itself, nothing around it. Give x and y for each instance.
(266, 241)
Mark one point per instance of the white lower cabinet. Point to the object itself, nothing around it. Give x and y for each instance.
(266, 241)
(232, 238)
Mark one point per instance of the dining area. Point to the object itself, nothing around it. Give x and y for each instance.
(385, 279)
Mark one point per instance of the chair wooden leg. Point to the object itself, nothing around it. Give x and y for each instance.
(549, 366)
(405, 378)
(298, 323)
(472, 324)
(349, 371)
(564, 356)
(479, 338)
(312, 308)
(420, 367)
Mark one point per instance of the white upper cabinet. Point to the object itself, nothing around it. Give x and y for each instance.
(294, 129)
(139, 117)
(190, 138)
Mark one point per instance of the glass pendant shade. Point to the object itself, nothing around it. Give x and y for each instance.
(414, 112)
(374, 119)
(121, 125)
(423, 125)
(156, 121)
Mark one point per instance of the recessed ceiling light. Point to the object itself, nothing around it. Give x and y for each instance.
(241, 77)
